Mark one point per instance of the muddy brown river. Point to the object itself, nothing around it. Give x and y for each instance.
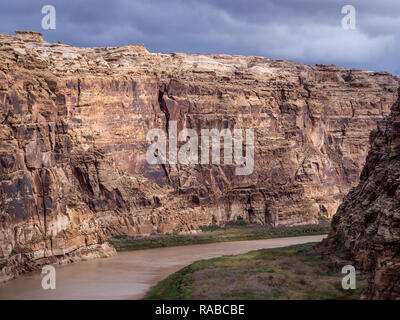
(129, 275)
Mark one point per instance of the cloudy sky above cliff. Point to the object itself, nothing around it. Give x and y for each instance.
(307, 31)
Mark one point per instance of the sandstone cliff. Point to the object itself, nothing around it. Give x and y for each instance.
(366, 227)
(73, 131)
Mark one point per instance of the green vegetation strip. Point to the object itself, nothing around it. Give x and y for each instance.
(295, 272)
(122, 243)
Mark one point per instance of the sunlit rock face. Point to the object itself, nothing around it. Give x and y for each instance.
(73, 127)
(366, 228)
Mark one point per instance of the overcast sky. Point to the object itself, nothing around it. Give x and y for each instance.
(307, 31)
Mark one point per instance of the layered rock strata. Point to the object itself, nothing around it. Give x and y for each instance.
(366, 228)
(73, 126)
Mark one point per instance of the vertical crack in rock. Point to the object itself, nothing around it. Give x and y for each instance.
(44, 192)
(79, 92)
(164, 109)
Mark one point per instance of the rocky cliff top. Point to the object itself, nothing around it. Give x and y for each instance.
(28, 49)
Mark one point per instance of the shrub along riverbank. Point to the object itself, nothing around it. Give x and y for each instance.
(211, 234)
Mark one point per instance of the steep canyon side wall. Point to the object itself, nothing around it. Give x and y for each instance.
(366, 228)
(73, 125)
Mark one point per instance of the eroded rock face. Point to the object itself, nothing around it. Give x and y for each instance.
(73, 167)
(366, 227)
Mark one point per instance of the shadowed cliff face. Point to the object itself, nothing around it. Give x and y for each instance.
(73, 167)
(366, 227)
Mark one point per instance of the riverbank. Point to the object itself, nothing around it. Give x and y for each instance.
(212, 234)
(295, 272)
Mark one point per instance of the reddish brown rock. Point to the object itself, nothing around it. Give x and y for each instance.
(73, 127)
(366, 227)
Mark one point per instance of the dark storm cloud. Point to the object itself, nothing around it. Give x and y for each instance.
(302, 30)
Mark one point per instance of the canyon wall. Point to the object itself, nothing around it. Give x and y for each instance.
(366, 228)
(73, 125)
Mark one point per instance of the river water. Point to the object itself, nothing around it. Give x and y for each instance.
(129, 275)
